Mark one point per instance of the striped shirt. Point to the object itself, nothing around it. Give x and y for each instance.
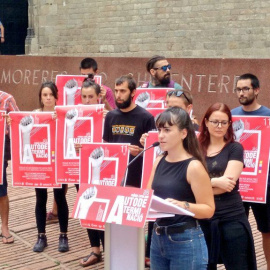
(7, 102)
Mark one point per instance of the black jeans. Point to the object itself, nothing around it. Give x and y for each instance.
(234, 245)
(41, 201)
(149, 237)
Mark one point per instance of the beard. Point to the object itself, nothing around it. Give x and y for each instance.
(125, 104)
(246, 101)
(164, 81)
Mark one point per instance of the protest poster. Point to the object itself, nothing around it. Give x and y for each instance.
(155, 111)
(103, 164)
(75, 125)
(151, 97)
(149, 157)
(69, 88)
(33, 149)
(253, 133)
(96, 204)
(2, 142)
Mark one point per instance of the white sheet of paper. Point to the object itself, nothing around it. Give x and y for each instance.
(153, 214)
(164, 206)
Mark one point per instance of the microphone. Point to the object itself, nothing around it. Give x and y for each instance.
(123, 183)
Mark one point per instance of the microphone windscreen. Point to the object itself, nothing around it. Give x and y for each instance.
(155, 144)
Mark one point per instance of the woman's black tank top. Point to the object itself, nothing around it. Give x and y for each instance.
(170, 181)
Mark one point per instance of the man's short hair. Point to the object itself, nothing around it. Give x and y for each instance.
(129, 79)
(152, 61)
(254, 80)
(89, 63)
(188, 99)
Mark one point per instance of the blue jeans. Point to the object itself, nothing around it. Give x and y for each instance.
(186, 251)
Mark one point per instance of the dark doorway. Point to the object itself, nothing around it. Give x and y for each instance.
(14, 17)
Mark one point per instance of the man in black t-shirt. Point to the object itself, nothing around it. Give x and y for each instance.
(126, 124)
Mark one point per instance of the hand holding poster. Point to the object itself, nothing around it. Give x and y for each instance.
(151, 97)
(253, 132)
(2, 142)
(69, 88)
(75, 125)
(120, 205)
(33, 149)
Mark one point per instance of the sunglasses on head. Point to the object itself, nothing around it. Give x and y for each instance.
(178, 93)
(164, 68)
(90, 77)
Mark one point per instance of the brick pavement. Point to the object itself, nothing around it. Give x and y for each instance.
(22, 224)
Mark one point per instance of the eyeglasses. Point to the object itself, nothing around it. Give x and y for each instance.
(178, 93)
(244, 89)
(164, 68)
(215, 123)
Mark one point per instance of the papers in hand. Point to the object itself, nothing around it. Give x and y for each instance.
(153, 214)
(160, 206)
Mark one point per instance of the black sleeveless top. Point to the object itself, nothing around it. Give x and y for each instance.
(170, 181)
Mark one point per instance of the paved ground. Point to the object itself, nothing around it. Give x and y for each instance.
(22, 224)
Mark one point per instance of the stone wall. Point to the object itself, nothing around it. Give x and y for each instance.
(141, 28)
(208, 80)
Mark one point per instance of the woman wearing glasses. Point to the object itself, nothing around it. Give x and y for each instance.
(227, 233)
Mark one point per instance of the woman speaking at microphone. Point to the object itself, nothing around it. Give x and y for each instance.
(180, 177)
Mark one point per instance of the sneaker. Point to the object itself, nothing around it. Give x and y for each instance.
(41, 243)
(63, 243)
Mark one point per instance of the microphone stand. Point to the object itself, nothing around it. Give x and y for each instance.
(123, 183)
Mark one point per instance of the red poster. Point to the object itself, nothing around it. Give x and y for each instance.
(2, 142)
(149, 157)
(253, 133)
(69, 88)
(96, 205)
(155, 111)
(33, 149)
(151, 97)
(75, 125)
(103, 164)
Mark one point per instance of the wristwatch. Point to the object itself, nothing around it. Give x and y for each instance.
(186, 205)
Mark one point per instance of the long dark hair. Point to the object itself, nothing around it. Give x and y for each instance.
(204, 137)
(50, 85)
(180, 118)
